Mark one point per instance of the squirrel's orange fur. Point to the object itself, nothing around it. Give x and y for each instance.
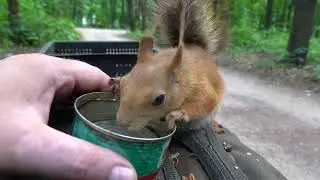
(185, 74)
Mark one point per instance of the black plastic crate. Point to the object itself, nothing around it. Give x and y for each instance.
(116, 58)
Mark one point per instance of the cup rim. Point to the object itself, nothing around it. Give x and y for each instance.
(111, 133)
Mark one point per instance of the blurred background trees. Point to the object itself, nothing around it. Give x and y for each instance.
(288, 27)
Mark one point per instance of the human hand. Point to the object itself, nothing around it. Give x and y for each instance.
(28, 84)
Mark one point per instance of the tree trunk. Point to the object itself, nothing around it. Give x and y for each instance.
(131, 17)
(123, 14)
(225, 10)
(301, 31)
(316, 22)
(214, 6)
(143, 14)
(289, 16)
(282, 19)
(317, 31)
(75, 12)
(137, 13)
(14, 19)
(105, 22)
(268, 15)
(113, 6)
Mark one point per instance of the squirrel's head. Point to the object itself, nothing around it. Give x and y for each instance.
(151, 88)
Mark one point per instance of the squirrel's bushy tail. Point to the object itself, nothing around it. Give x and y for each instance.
(193, 20)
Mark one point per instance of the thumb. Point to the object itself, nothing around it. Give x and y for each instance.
(55, 154)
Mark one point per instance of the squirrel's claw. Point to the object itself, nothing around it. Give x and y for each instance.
(217, 128)
(175, 116)
(114, 83)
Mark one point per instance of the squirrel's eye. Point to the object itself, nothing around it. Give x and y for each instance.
(159, 100)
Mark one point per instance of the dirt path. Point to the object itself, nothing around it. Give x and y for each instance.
(281, 124)
(102, 34)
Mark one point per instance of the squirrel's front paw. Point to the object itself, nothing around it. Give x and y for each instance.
(175, 116)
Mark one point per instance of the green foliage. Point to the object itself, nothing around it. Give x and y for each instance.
(47, 20)
(315, 49)
(5, 31)
(246, 28)
(246, 39)
(45, 27)
(36, 25)
(135, 35)
(317, 71)
(247, 34)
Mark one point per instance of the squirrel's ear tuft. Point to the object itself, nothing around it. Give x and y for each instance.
(145, 48)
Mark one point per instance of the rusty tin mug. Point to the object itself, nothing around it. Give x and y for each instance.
(95, 122)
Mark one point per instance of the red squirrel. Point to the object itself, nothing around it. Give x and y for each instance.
(179, 83)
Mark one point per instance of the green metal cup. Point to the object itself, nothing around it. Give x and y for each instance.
(95, 122)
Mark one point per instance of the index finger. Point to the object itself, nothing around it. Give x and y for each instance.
(78, 76)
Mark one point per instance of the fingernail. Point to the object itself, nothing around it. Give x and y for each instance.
(122, 173)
